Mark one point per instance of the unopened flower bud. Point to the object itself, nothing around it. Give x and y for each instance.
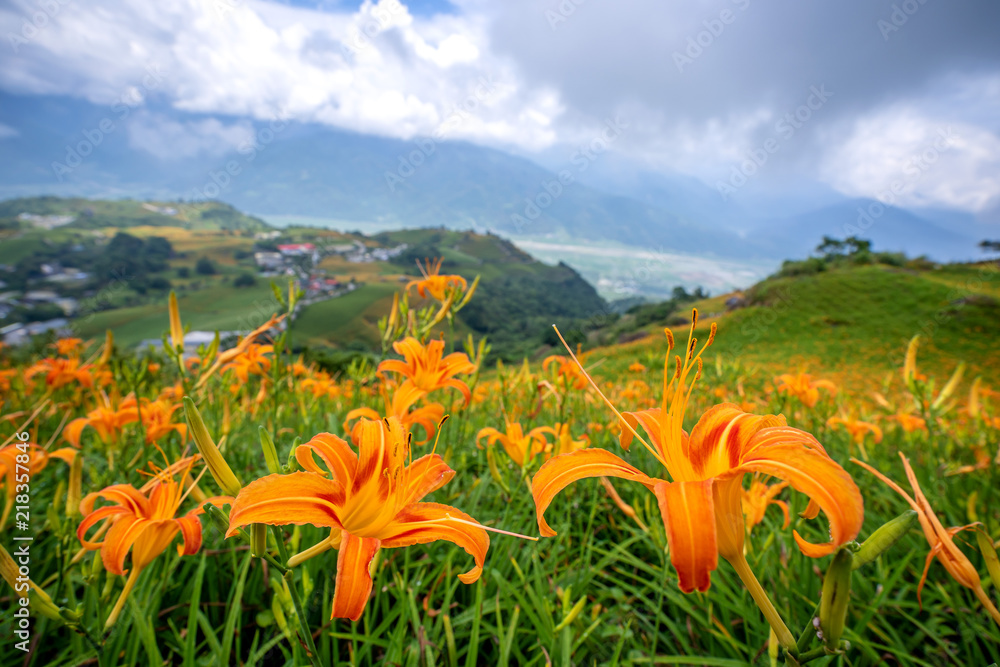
(884, 537)
(836, 597)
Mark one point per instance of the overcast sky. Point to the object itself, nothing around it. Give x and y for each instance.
(885, 91)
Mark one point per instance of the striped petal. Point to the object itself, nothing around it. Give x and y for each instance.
(340, 459)
(354, 581)
(689, 516)
(428, 522)
(560, 471)
(119, 540)
(796, 457)
(426, 474)
(279, 500)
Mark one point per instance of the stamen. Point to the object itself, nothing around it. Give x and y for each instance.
(618, 414)
(448, 517)
(670, 339)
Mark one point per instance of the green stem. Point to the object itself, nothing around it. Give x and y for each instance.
(808, 632)
(764, 603)
(303, 624)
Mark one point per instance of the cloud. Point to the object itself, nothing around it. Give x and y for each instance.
(171, 140)
(7, 131)
(699, 84)
(377, 70)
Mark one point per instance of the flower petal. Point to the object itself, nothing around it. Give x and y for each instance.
(796, 457)
(723, 434)
(340, 459)
(560, 471)
(191, 530)
(279, 500)
(421, 523)
(125, 531)
(354, 581)
(426, 474)
(688, 510)
(154, 538)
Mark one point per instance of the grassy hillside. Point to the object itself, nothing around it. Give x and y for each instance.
(126, 213)
(852, 324)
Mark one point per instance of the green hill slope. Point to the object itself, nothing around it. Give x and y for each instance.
(854, 323)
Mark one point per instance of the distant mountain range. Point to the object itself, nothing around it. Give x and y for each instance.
(64, 146)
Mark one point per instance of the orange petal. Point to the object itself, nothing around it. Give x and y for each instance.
(723, 434)
(650, 420)
(119, 540)
(560, 471)
(191, 530)
(689, 516)
(279, 500)
(426, 474)
(794, 456)
(153, 539)
(428, 522)
(354, 581)
(74, 429)
(340, 459)
(93, 518)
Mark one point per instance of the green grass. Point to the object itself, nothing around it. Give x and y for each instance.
(351, 317)
(222, 607)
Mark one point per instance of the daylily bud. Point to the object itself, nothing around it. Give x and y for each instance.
(990, 556)
(109, 346)
(270, 452)
(40, 600)
(176, 329)
(910, 363)
(884, 537)
(74, 491)
(216, 463)
(949, 388)
(836, 596)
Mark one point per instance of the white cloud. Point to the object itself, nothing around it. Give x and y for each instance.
(378, 70)
(902, 156)
(169, 139)
(6, 131)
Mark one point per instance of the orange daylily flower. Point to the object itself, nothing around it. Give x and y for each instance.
(701, 506)
(157, 418)
(857, 429)
(521, 447)
(909, 422)
(252, 361)
(145, 519)
(636, 367)
(758, 498)
(940, 539)
(563, 442)
(61, 372)
(223, 358)
(433, 283)
(68, 347)
(106, 419)
(426, 370)
(804, 387)
(567, 369)
(370, 500)
(426, 416)
(321, 384)
(38, 458)
(5, 377)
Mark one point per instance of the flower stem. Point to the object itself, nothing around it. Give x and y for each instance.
(133, 576)
(303, 622)
(760, 597)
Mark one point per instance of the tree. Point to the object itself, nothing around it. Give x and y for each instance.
(244, 280)
(205, 267)
(990, 246)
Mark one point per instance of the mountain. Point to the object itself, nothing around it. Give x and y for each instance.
(69, 147)
(889, 228)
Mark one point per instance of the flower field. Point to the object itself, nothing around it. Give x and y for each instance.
(636, 505)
